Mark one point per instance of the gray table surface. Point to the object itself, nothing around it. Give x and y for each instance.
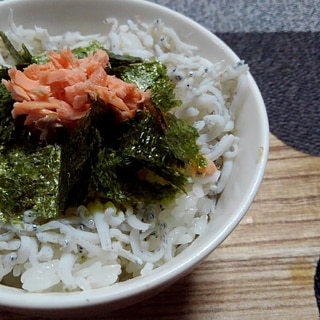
(250, 16)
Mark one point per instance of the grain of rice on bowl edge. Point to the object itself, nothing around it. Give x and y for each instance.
(107, 245)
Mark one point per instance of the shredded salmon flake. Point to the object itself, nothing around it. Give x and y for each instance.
(64, 88)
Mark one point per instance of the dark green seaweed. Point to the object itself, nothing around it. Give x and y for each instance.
(150, 75)
(139, 166)
(77, 152)
(115, 60)
(134, 160)
(7, 126)
(29, 181)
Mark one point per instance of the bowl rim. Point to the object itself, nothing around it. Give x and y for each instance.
(171, 271)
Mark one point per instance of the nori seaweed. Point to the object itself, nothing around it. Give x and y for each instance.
(115, 60)
(150, 75)
(144, 162)
(138, 166)
(134, 160)
(7, 126)
(29, 181)
(77, 152)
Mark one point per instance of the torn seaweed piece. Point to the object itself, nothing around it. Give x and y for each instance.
(118, 161)
(80, 150)
(4, 72)
(120, 178)
(7, 126)
(77, 150)
(150, 75)
(12, 131)
(186, 151)
(115, 60)
(139, 165)
(29, 181)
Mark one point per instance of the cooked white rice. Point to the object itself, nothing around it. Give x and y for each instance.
(103, 245)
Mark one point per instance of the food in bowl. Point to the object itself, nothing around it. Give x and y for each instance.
(140, 182)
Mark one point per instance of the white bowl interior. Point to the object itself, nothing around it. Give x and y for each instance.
(252, 126)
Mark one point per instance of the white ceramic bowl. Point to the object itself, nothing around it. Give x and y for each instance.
(252, 126)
